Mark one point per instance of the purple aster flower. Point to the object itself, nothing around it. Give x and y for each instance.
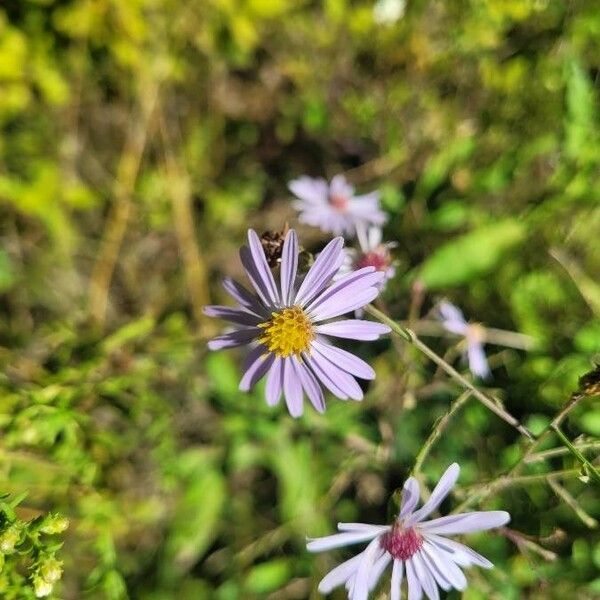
(333, 207)
(288, 324)
(414, 546)
(372, 253)
(454, 321)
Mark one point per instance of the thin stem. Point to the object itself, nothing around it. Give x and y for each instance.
(560, 491)
(492, 404)
(541, 456)
(480, 492)
(438, 429)
(587, 466)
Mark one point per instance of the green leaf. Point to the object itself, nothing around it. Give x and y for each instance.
(472, 255)
(197, 515)
(268, 576)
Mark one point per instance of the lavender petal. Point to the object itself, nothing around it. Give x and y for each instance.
(410, 497)
(311, 387)
(415, 592)
(342, 380)
(478, 364)
(345, 360)
(262, 267)
(233, 315)
(259, 365)
(231, 339)
(397, 572)
(353, 329)
(292, 389)
(353, 291)
(289, 266)
(466, 522)
(324, 268)
(337, 540)
(245, 298)
(441, 490)
(274, 387)
(339, 575)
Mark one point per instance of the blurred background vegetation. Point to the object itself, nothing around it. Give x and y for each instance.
(141, 138)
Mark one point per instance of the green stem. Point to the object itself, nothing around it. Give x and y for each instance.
(480, 493)
(492, 404)
(588, 467)
(438, 429)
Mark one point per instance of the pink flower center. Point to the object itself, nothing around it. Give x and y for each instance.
(401, 543)
(339, 202)
(379, 260)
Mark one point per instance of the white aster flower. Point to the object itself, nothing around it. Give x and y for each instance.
(415, 547)
(334, 207)
(372, 252)
(454, 321)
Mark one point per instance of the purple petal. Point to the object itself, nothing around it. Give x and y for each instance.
(478, 364)
(353, 329)
(328, 372)
(324, 378)
(339, 186)
(254, 276)
(410, 497)
(452, 318)
(310, 190)
(447, 567)
(462, 555)
(311, 387)
(292, 389)
(274, 382)
(339, 575)
(246, 299)
(361, 585)
(326, 265)
(337, 540)
(262, 267)
(362, 527)
(441, 490)
(397, 572)
(231, 339)
(351, 292)
(289, 266)
(378, 568)
(425, 577)
(259, 364)
(233, 315)
(435, 569)
(414, 586)
(467, 522)
(345, 360)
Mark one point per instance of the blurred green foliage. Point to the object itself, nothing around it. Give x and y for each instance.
(478, 120)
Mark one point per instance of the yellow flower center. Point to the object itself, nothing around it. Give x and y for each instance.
(288, 332)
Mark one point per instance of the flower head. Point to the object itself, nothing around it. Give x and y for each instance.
(288, 324)
(454, 321)
(414, 546)
(373, 252)
(333, 207)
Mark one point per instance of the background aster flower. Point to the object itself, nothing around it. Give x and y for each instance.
(288, 323)
(372, 252)
(333, 207)
(454, 321)
(416, 547)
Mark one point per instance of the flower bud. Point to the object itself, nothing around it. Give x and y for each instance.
(9, 539)
(41, 587)
(54, 524)
(51, 570)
